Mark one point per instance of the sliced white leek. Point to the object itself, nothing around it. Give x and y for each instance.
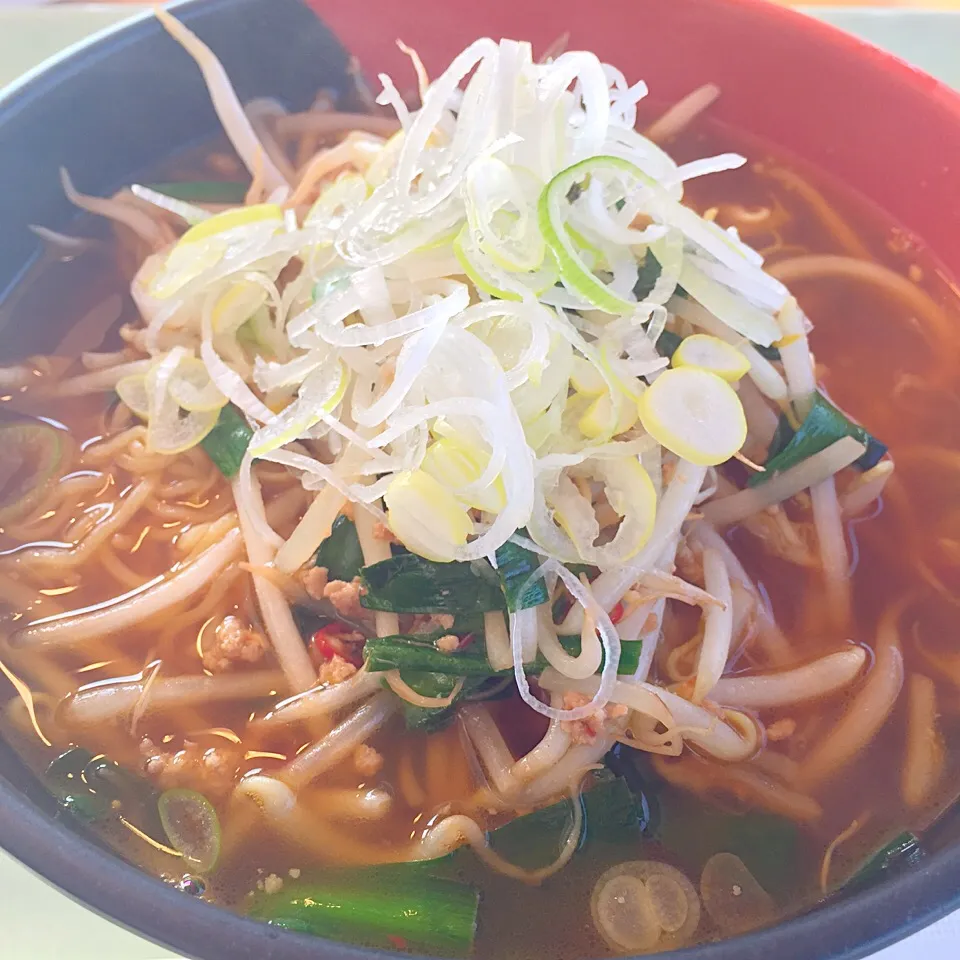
(461, 337)
(379, 170)
(501, 210)
(207, 243)
(236, 306)
(425, 516)
(586, 378)
(132, 391)
(320, 393)
(554, 210)
(732, 308)
(595, 423)
(457, 465)
(471, 259)
(183, 265)
(169, 410)
(694, 414)
(341, 198)
(230, 220)
(192, 389)
(170, 429)
(564, 522)
(492, 278)
(177, 433)
(712, 354)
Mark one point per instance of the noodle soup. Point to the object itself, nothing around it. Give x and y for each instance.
(251, 627)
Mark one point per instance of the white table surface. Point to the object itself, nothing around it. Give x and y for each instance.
(37, 922)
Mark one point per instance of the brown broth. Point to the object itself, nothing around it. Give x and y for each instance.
(876, 364)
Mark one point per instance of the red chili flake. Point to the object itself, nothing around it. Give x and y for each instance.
(399, 942)
(328, 642)
(466, 641)
(616, 614)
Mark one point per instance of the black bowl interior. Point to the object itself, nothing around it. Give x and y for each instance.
(139, 92)
(120, 106)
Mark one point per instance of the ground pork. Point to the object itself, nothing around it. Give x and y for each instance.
(782, 729)
(234, 644)
(605, 721)
(314, 581)
(345, 597)
(367, 761)
(431, 622)
(211, 771)
(336, 670)
(382, 532)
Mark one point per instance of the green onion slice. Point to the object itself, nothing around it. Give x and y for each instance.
(32, 453)
(192, 827)
(554, 208)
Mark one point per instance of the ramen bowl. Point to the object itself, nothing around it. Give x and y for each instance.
(128, 99)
